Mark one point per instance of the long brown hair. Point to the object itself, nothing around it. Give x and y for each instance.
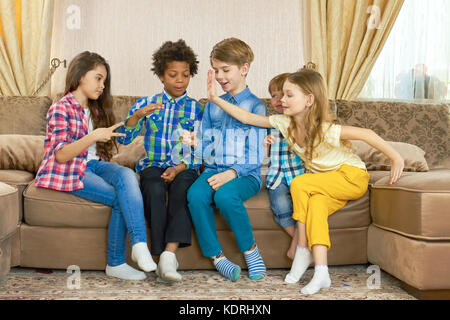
(311, 82)
(101, 109)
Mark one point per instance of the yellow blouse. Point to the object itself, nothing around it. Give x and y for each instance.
(329, 155)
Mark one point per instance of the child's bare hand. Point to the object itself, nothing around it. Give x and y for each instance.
(397, 166)
(105, 134)
(169, 174)
(211, 86)
(269, 139)
(148, 109)
(219, 179)
(188, 138)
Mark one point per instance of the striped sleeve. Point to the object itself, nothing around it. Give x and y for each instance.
(280, 122)
(333, 134)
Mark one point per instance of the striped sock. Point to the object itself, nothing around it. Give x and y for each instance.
(227, 268)
(255, 263)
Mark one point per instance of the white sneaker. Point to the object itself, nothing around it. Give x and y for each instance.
(141, 255)
(124, 271)
(167, 267)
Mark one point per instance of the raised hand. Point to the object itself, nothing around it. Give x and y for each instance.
(188, 138)
(105, 134)
(148, 109)
(269, 139)
(211, 86)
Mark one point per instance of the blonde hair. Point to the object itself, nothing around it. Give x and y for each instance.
(276, 84)
(232, 50)
(311, 82)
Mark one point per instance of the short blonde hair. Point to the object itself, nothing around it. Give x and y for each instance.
(232, 50)
(276, 84)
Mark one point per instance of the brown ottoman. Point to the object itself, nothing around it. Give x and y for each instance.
(410, 234)
(9, 217)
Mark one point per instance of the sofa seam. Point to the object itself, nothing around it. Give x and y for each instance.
(412, 236)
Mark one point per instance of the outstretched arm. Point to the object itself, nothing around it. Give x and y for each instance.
(370, 137)
(238, 113)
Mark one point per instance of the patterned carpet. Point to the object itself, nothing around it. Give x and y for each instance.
(348, 283)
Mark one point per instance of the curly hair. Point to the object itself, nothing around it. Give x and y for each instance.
(174, 51)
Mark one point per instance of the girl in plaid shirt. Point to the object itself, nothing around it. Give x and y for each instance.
(78, 146)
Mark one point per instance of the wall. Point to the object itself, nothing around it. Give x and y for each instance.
(127, 33)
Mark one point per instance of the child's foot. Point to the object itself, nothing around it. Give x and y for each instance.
(302, 259)
(167, 267)
(255, 263)
(291, 253)
(141, 255)
(321, 279)
(227, 268)
(124, 271)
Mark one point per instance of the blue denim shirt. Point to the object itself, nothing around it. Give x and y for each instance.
(225, 143)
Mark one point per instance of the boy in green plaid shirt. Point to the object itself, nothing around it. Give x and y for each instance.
(169, 166)
(284, 165)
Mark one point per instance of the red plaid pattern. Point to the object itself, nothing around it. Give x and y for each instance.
(66, 123)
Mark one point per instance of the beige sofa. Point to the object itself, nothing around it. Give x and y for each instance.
(404, 229)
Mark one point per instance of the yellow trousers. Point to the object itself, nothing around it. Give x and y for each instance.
(315, 196)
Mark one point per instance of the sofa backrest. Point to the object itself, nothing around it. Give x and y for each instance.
(424, 125)
(23, 115)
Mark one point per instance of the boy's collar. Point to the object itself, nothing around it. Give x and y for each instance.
(241, 96)
(167, 96)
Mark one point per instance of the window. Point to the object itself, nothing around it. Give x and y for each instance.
(415, 61)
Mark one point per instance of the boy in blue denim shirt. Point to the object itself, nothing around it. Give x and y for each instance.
(284, 165)
(232, 153)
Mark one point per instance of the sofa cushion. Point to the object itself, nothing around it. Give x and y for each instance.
(21, 152)
(375, 160)
(50, 208)
(128, 155)
(416, 206)
(23, 115)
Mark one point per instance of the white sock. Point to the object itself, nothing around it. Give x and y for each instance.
(321, 279)
(302, 259)
(167, 267)
(124, 271)
(141, 255)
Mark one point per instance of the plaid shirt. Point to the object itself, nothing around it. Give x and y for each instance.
(162, 131)
(66, 123)
(283, 163)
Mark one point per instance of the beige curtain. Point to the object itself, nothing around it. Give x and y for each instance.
(25, 44)
(346, 38)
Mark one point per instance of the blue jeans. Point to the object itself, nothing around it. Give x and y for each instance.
(229, 199)
(281, 204)
(116, 186)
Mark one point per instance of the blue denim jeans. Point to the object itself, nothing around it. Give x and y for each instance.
(281, 204)
(229, 199)
(116, 186)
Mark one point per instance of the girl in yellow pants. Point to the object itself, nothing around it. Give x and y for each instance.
(335, 173)
(315, 196)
